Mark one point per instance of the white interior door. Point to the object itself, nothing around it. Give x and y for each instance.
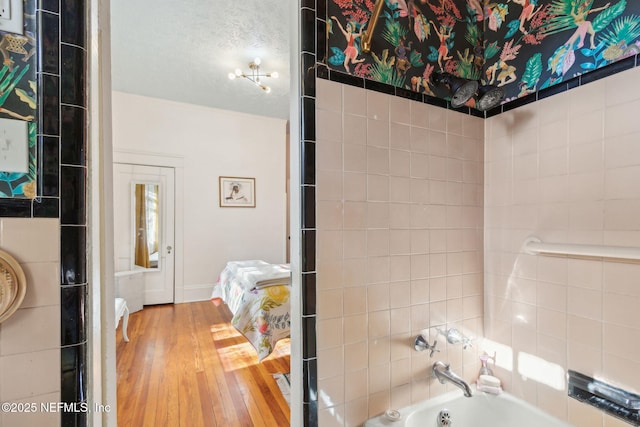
(137, 189)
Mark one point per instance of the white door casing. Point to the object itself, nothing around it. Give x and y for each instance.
(159, 282)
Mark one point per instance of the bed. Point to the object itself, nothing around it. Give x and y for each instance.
(257, 294)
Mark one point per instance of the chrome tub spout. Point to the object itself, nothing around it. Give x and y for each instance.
(444, 373)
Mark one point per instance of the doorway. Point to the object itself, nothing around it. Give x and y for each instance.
(144, 219)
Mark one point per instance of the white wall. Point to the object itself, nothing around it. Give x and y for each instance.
(212, 143)
(565, 169)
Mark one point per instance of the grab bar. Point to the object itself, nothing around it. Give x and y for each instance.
(534, 246)
(368, 34)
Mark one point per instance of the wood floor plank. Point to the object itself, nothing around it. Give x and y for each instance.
(186, 365)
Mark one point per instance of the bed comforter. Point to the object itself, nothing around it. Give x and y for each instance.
(262, 314)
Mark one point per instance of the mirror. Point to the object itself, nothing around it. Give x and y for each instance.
(146, 239)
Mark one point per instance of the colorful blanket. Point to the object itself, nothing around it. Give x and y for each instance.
(261, 315)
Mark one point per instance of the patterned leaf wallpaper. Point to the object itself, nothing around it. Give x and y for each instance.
(18, 102)
(520, 45)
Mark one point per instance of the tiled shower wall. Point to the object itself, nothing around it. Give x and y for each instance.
(61, 105)
(399, 193)
(565, 169)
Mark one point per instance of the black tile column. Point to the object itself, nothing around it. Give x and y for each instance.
(73, 218)
(312, 35)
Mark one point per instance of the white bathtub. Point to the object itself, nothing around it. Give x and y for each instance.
(480, 410)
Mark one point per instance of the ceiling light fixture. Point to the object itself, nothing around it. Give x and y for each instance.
(254, 75)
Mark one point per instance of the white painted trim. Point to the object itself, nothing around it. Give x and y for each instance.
(196, 293)
(176, 162)
(101, 348)
(297, 413)
(147, 158)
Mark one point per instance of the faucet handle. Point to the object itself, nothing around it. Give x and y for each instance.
(433, 348)
(420, 344)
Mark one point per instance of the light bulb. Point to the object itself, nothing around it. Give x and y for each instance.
(232, 76)
(238, 72)
(266, 89)
(275, 74)
(256, 61)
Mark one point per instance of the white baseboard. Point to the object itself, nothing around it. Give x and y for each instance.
(196, 293)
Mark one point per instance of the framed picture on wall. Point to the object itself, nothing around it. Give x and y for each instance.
(236, 192)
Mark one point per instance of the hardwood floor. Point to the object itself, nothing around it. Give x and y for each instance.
(186, 365)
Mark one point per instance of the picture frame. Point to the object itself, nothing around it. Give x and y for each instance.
(237, 192)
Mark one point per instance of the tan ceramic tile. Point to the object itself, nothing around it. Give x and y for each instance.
(329, 155)
(332, 416)
(329, 126)
(400, 294)
(43, 286)
(329, 214)
(329, 304)
(399, 268)
(380, 378)
(331, 362)
(378, 214)
(378, 242)
(355, 327)
(355, 215)
(355, 300)
(400, 110)
(355, 272)
(622, 341)
(30, 330)
(356, 384)
(30, 374)
(31, 240)
(420, 140)
(378, 269)
(377, 188)
(619, 119)
(378, 297)
(329, 273)
(585, 99)
(355, 130)
(620, 88)
(329, 333)
(377, 160)
(619, 183)
(400, 136)
(399, 163)
(354, 100)
(377, 133)
(400, 242)
(330, 391)
(37, 418)
(419, 114)
(622, 215)
(400, 189)
(355, 186)
(356, 356)
(378, 106)
(329, 95)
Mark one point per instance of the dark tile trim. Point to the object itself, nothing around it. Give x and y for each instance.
(351, 80)
(519, 102)
(313, 45)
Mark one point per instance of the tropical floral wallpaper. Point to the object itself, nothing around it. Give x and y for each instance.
(18, 102)
(520, 45)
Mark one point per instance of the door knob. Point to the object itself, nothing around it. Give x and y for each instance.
(169, 249)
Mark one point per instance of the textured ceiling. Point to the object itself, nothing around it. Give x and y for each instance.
(184, 50)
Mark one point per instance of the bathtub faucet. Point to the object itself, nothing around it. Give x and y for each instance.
(443, 372)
